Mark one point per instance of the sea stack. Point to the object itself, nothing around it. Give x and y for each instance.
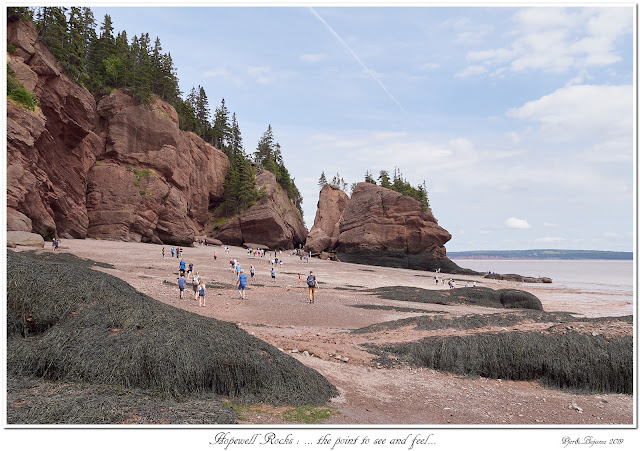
(379, 226)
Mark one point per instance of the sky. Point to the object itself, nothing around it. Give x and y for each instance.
(519, 119)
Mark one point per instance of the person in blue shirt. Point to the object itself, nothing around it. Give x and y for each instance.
(241, 283)
(182, 282)
(273, 275)
(182, 267)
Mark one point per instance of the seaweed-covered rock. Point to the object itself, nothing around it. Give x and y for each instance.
(68, 322)
(482, 296)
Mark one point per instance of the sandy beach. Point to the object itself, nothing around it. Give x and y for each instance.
(318, 335)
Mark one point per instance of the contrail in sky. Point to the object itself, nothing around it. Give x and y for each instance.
(357, 58)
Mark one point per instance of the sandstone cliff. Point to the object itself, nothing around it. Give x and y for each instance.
(379, 226)
(274, 221)
(84, 166)
(326, 230)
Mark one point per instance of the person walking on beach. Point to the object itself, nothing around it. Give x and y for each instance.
(273, 275)
(190, 270)
(172, 251)
(201, 294)
(196, 282)
(241, 283)
(313, 284)
(215, 256)
(181, 284)
(183, 267)
(252, 271)
(163, 253)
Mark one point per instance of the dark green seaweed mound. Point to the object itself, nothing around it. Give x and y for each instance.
(38, 401)
(66, 322)
(482, 296)
(567, 361)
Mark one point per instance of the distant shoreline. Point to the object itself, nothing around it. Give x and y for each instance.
(541, 254)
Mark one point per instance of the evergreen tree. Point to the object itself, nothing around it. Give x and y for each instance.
(16, 12)
(75, 62)
(221, 133)
(265, 149)
(322, 181)
(369, 178)
(51, 23)
(270, 156)
(186, 115)
(235, 143)
(383, 178)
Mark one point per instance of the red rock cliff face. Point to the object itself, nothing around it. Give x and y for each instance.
(274, 221)
(47, 160)
(112, 169)
(380, 226)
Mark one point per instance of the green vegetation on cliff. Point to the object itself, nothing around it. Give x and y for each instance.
(18, 93)
(400, 185)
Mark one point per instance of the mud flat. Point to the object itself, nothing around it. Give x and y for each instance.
(358, 340)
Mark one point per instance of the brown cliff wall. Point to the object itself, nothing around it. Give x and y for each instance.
(274, 221)
(114, 169)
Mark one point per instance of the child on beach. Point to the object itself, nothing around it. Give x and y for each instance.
(201, 293)
(273, 275)
(252, 270)
(196, 282)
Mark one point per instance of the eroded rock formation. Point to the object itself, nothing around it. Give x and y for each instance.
(83, 166)
(379, 226)
(273, 221)
(326, 230)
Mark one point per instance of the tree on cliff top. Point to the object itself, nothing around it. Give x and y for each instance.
(401, 185)
(269, 154)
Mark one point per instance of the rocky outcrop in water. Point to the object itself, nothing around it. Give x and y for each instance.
(379, 226)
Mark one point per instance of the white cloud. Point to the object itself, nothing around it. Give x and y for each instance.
(312, 58)
(471, 71)
(558, 39)
(549, 224)
(261, 74)
(550, 239)
(516, 223)
(579, 79)
(429, 66)
(582, 110)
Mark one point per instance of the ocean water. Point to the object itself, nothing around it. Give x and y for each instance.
(611, 277)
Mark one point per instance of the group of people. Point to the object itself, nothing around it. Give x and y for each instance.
(451, 282)
(175, 251)
(197, 283)
(186, 273)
